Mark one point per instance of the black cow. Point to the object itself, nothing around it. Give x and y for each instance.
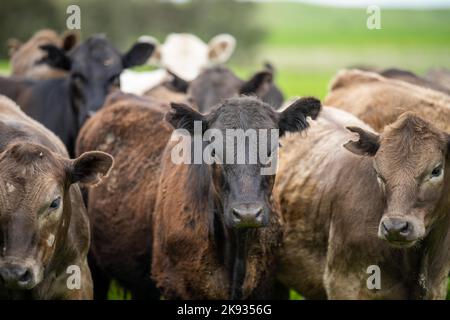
(64, 104)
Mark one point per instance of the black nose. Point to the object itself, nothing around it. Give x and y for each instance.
(248, 215)
(395, 229)
(16, 276)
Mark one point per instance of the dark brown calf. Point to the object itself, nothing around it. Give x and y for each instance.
(216, 228)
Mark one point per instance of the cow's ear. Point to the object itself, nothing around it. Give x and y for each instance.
(156, 56)
(13, 45)
(178, 84)
(91, 167)
(181, 116)
(220, 48)
(56, 57)
(258, 85)
(367, 144)
(294, 117)
(70, 40)
(138, 54)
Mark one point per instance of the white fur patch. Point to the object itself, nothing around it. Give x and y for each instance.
(10, 187)
(51, 240)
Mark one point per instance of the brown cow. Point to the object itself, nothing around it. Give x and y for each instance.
(216, 226)
(44, 229)
(339, 197)
(379, 101)
(408, 76)
(132, 130)
(26, 57)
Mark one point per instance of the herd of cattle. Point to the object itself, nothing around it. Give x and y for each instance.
(87, 182)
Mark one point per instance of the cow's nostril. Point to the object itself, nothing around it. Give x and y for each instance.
(236, 213)
(25, 277)
(404, 228)
(385, 228)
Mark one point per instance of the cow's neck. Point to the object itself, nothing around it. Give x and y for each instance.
(232, 247)
(435, 256)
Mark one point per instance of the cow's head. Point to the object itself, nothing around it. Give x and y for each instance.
(94, 70)
(411, 163)
(219, 83)
(241, 188)
(26, 58)
(186, 55)
(35, 208)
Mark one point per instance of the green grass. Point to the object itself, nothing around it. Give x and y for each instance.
(293, 24)
(4, 67)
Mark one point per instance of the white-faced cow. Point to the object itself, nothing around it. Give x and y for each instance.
(182, 54)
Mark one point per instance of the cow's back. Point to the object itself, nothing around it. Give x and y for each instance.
(305, 186)
(379, 101)
(16, 125)
(132, 130)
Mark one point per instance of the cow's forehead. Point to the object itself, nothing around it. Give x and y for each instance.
(98, 52)
(397, 157)
(26, 164)
(243, 113)
(184, 42)
(185, 55)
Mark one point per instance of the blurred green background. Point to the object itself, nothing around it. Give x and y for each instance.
(307, 44)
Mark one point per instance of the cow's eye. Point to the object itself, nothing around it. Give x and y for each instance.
(437, 172)
(55, 203)
(78, 77)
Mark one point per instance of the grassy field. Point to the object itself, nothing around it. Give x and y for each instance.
(309, 44)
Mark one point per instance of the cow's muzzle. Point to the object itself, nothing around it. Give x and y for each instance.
(17, 276)
(398, 231)
(249, 215)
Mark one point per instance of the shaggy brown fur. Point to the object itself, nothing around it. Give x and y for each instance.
(379, 101)
(34, 169)
(25, 57)
(195, 242)
(332, 205)
(186, 264)
(131, 129)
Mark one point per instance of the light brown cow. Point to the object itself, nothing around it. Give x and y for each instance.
(339, 197)
(26, 57)
(379, 101)
(44, 230)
